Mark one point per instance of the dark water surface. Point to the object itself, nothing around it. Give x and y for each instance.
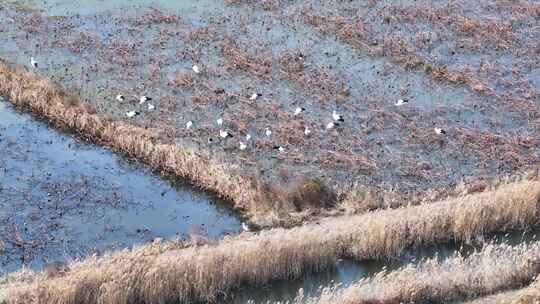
(61, 199)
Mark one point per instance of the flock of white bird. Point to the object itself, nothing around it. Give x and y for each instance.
(337, 118)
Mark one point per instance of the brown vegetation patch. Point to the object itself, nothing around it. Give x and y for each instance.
(260, 65)
(34, 23)
(83, 42)
(292, 61)
(156, 16)
(311, 193)
(268, 5)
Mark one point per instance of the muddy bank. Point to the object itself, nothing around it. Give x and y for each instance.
(63, 199)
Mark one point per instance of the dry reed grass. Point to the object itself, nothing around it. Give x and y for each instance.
(493, 269)
(47, 100)
(527, 295)
(163, 273)
(310, 194)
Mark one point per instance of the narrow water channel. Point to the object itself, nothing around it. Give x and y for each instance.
(61, 200)
(346, 272)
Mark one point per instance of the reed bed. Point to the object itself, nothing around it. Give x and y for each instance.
(47, 100)
(164, 273)
(527, 295)
(493, 269)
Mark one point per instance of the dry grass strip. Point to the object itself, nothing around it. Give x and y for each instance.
(165, 274)
(527, 295)
(48, 101)
(493, 269)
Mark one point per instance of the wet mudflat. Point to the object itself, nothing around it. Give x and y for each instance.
(99, 51)
(276, 50)
(61, 199)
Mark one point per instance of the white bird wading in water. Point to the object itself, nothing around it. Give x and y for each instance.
(298, 110)
(144, 99)
(131, 114)
(33, 62)
(224, 134)
(337, 117)
(439, 131)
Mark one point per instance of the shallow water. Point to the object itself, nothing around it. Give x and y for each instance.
(61, 199)
(346, 272)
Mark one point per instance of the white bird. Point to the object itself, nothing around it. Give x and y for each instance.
(248, 136)
(401, 102)
(189, 124)
(224, 134)
(144, 99)
(298, 111)
(131, 114)
(196, 69)
(151, 107)
(120, 97)
(331, 125)
(439, 131)
(279, 148)
(243, 146)
(307, 131)
(268, 132)
(219, 121)
(245, 227)
(337, 117)
(254, 96)
(33, 62)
